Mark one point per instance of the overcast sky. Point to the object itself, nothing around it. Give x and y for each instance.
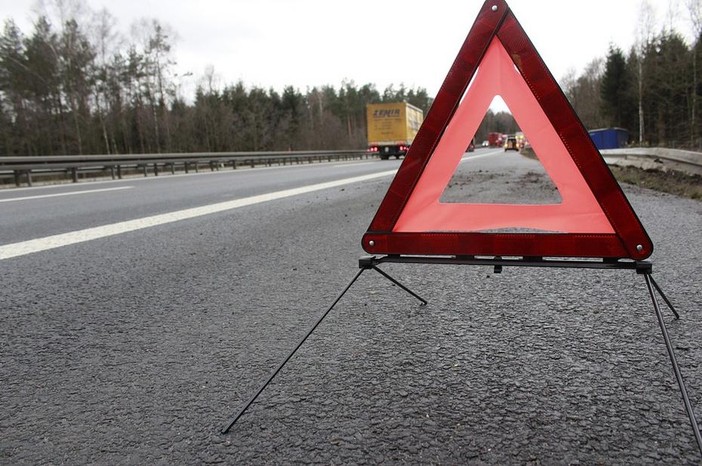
(305, 43)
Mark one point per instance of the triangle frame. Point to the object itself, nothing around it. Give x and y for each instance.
(496, 22)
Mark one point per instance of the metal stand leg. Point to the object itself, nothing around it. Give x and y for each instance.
(285, 361)
(371, 262)
(665, 298)
(424, 301)
(364, 265)
(650, 283)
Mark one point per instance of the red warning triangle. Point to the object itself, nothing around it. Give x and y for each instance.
(594, 218)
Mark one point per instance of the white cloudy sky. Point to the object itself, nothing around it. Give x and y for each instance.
(273, 43)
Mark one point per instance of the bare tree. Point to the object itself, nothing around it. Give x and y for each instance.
(644, 35)
(154, 44)
(672, 15)
(60, 12)
(694, 8)
(107, 42)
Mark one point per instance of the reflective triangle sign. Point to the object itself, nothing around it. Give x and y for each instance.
(594, 218)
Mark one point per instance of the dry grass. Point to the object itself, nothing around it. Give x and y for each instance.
(672, 182)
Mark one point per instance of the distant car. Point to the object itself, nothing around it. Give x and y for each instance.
(511, 144)
(486, 144)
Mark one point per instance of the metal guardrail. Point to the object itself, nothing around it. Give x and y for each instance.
(116, 165)
(658, 158)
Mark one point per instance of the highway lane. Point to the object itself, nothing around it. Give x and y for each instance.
(136, 348)
(27, 215)
(30, 214)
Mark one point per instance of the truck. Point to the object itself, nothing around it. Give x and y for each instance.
(392, 128)
(609, 138)
(496, 139)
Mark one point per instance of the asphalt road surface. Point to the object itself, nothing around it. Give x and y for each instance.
(135, 344)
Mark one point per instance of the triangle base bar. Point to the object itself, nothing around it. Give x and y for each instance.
(642, 267)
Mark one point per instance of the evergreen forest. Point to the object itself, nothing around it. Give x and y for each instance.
(80, 87)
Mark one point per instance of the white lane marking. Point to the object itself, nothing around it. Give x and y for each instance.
(74, 193)
(468, 158)
(56, 241)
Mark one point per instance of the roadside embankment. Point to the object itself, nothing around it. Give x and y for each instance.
(659, 169)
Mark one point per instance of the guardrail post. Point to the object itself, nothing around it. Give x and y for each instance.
(146, 169)
(74, 174)
(29, 177)
(112, 171)
(173, 168)
(233, 164)
(119, 171)
(17, 178)
(156, 169)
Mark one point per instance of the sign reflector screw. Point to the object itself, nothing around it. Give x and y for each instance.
(371, 243)
(494, 8)
(639, 248)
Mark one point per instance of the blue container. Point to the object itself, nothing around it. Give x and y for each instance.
(609, 138)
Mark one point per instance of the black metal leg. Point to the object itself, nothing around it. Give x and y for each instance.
(673, 360)
(424, 301)
(665, 298)
(319, 321)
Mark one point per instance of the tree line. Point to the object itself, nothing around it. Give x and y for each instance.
(74, 85)
(82, 89)
(653, 90)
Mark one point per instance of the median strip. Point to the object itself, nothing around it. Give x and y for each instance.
(56, 241)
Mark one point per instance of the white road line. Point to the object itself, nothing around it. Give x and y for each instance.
(56, 241)
(74, 193)
(468, 158)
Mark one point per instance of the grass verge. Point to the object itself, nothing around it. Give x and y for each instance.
(672, 182)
